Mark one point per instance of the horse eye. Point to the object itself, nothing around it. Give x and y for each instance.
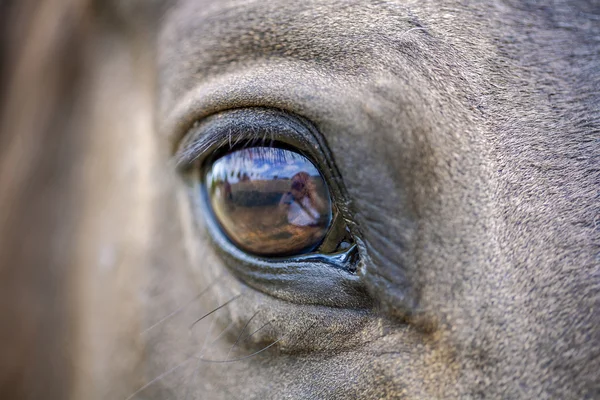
(270, 201)
(264, 185)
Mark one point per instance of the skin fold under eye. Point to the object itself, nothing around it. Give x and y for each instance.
(270, 201)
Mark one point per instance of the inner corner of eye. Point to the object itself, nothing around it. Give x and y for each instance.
(270, 201)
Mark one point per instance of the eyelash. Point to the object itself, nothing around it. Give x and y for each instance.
(316, 273)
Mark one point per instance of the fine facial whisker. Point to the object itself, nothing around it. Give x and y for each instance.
(189, 359)
(245, 357)
(255, 353)
(241, 333)
(214, 310)
(194, 374)
(220, 335)
(207, 336)
(161, 376)
(183, 307)
(255, 331)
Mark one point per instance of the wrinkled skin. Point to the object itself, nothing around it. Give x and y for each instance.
(466, 136)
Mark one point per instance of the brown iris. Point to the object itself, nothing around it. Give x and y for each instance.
(270, 201)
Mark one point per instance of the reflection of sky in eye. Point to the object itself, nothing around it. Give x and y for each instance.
(261, 163)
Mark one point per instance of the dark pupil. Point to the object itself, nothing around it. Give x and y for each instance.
(270, 201)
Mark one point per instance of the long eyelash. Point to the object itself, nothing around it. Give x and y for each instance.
(193, 148)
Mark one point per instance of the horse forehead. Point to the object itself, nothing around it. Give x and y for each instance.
(496, 43)
(201, 40)
(208, 35)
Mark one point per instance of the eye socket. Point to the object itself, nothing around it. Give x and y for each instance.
(270, 201)
(315, 259)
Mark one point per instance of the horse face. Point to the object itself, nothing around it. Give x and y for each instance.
(455, 137)
(459, 145)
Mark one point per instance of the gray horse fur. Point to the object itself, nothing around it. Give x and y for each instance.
(467, 138)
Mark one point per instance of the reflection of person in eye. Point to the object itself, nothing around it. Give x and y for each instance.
(227, 190)
(303, 201)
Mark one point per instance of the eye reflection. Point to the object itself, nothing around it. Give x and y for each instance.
(270, 201)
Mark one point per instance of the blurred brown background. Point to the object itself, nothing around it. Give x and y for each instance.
(41, 64)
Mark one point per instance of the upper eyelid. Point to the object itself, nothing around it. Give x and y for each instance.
(181, 114)
(180, 109)
(225, 130)
(207, 136)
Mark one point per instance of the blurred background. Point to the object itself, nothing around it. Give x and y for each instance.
(41, 67)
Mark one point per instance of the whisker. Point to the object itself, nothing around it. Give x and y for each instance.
(194, 356)
(161, 376)
(216, 309)
(240, 335)
(202, 359)
(208, 333)
(221, 334)
(194, 374)
(242, 358)
(255, 353)
(250, 335)
(183, 307)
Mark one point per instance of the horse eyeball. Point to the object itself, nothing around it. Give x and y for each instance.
(269, 201)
